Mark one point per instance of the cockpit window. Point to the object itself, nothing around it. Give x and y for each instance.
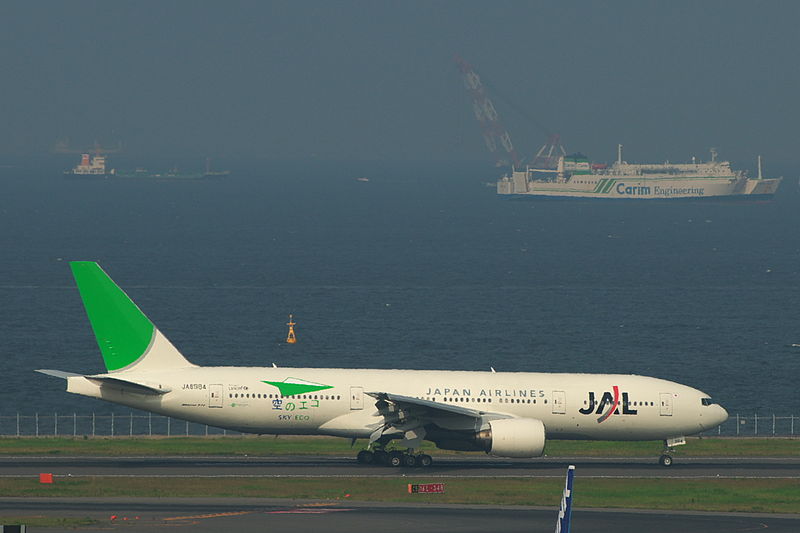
(707, 401)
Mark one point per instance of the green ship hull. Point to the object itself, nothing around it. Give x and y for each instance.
(169, 175)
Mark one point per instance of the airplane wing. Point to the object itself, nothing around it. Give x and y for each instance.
(408, 416)
(417, 404)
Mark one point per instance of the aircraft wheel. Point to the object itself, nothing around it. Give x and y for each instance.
(365, 457)
(424, 460)
(395, 458)
(665, 460)
(409, 460)
(380, 457)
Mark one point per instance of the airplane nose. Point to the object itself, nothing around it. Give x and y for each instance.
(713, 416)
(721, 415)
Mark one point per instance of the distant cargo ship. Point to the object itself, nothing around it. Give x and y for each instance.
(95, 167)
(141, 173)
(89, 167)
(577, 177)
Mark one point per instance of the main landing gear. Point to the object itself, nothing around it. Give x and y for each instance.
(394, 458)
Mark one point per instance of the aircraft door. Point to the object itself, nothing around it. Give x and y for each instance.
(559, 402)
(356, 398)
(215, 395)
(666, 404)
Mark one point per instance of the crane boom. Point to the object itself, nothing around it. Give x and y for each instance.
(497, 138)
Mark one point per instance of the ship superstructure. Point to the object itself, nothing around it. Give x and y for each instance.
(89, 167)
(577, 177)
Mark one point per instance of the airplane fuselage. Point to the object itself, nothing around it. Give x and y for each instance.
(571, 406)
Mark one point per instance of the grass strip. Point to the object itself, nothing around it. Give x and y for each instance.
(695, 447)
(287, 445)
(727, 495)
(48, 521)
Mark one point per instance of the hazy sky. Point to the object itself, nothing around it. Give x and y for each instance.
(376, 79)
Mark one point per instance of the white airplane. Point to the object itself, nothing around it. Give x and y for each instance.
(505, 414)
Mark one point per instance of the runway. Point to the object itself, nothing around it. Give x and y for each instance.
(208, 515)
(443, 467)
(204, 515)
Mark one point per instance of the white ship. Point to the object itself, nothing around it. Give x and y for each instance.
(576, 177)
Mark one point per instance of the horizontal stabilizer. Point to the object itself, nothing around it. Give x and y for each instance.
(145, 387)
(142, 387)
(58, 373)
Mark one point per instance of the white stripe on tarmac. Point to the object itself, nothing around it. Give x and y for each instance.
(387, 476)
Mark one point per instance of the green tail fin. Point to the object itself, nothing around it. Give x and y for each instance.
(122, 331)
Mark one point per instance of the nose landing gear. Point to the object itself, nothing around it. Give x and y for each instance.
(669, 448)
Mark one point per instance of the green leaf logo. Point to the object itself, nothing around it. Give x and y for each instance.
(293, 386)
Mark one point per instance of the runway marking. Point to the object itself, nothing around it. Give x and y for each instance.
(212, 515)
(306, 510)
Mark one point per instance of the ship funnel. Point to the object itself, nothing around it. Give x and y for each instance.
(85, 159)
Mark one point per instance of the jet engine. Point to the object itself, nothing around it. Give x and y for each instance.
(513, 437)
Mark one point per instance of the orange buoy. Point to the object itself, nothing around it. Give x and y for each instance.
(291, 339)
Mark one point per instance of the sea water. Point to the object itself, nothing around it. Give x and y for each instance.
(422, 266)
